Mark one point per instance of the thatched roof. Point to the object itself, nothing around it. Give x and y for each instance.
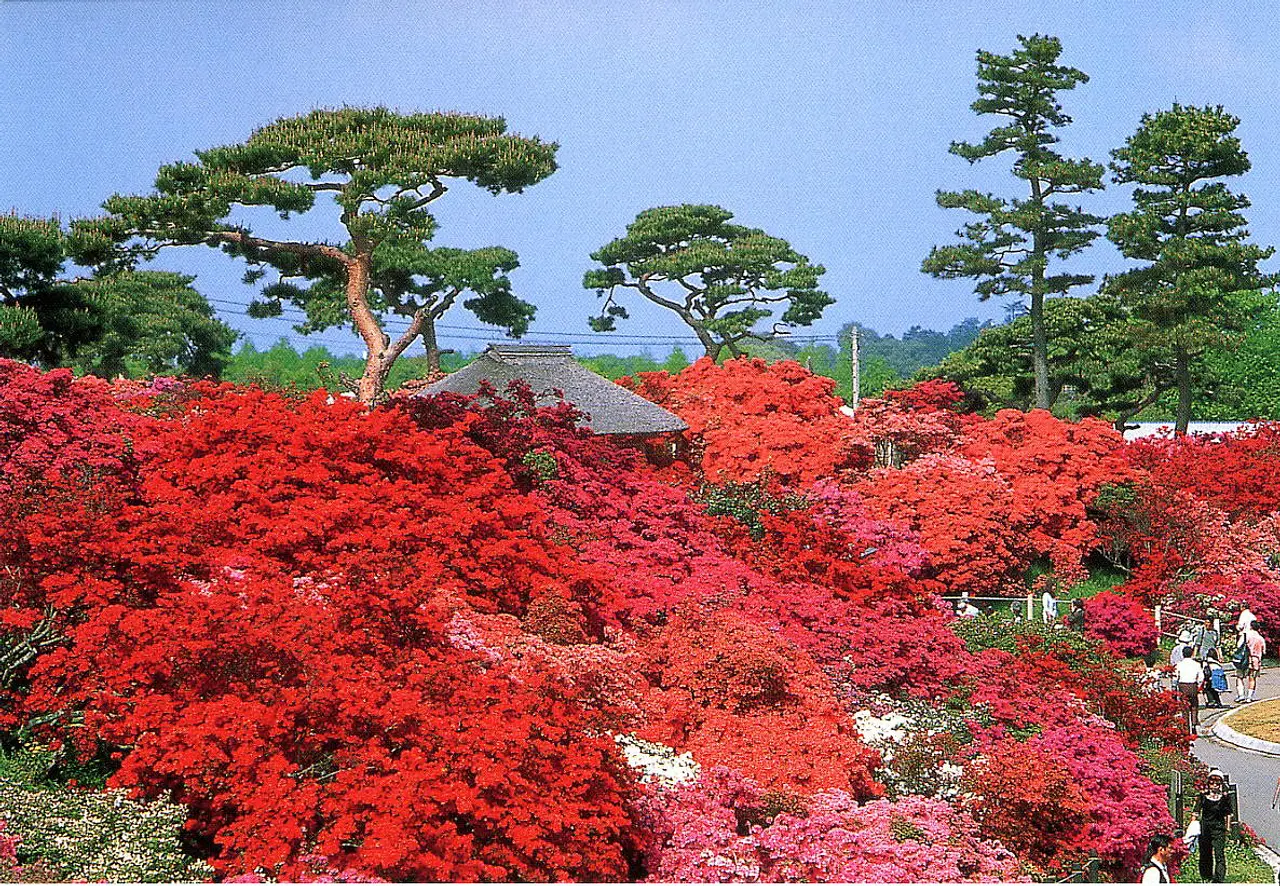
(608, 408)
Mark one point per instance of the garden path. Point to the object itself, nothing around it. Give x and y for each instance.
(1255, 774)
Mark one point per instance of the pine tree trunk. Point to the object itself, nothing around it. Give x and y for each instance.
(376, 364)
(1040, 352)
(433, 348)
(1182, 375)
(709, 344)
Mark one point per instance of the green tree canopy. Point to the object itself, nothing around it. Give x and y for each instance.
(1189, 231)
(31, 258)
(720, 278)
(113, 324)
(150, 323)
(383, 171)
(1009, 247)
(1093, 367)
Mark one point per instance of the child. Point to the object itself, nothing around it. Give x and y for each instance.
(1215, 679)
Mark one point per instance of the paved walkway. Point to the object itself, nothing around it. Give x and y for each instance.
(1255, 774)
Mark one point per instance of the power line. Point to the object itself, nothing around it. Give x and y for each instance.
(480, 333)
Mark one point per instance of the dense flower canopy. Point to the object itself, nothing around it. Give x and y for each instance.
(452, 638)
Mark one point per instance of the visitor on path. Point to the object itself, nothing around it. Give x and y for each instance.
(1190, 675)
(965, 608)
(1240, 662)
(1257, 647)
(1211, 639)
(1075, 617)
(1049, 604)
(1157, 867)
(1215, 679)
(1179, 650)
(1214, 810)
(1245, 621)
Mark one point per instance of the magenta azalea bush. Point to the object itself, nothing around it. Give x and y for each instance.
(1122, 622)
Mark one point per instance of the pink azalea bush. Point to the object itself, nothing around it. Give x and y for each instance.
(725, 828)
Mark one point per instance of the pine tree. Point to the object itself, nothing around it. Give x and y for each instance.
(1190, 231)
(718, 277)
(383, 170)
(1009, 248)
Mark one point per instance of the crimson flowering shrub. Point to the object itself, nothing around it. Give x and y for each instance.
(1237, 472)
(1055, 470)
(962, 513)
(1126, 807)
(1123, 623)
(1028, 801)
(750, 420)
(265, 627)
(735, 695)
(1032, 674)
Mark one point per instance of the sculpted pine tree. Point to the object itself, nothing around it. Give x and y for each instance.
(1188, 228)
(383, 171)
(719, 278)
(1009, 248)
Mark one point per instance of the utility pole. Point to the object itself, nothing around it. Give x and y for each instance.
(853, 350)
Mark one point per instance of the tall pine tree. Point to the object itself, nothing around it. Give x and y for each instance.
(1188, 228)
(1008, 249)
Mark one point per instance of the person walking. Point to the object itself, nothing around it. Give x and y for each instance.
(1245, 621)
(1215, 810)
(1190, 675)
(1215, 679)
(1156, 869)
(1257, 646)
(1049, 605)
(1211, 638)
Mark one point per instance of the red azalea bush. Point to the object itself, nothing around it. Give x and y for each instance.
(1122, 623)
(963, 515)
(736, 695)
(749, 420)
(1238, 472)
(1055, 470)
(1028, 801)
(264, 625)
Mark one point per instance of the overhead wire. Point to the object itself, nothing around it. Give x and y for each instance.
(396, 324)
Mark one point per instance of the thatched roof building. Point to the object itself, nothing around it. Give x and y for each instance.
(608, 408)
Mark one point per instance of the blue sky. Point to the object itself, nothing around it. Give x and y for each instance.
(824, 123)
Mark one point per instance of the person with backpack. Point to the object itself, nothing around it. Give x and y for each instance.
(1240, 662)
(1156, 869)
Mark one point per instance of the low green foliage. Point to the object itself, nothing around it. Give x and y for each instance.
(746, 502)
(81, 834)
(281, 366)
(1243, 866)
